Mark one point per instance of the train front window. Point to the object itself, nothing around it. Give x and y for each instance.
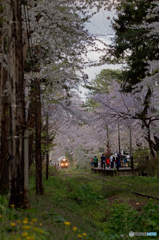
(64, 161)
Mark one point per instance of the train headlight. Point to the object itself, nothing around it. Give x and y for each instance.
(66, 164)
(61, 164)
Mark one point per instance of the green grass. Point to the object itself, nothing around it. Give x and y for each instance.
(101, 207)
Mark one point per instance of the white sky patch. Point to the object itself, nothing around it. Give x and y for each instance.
(100, 26)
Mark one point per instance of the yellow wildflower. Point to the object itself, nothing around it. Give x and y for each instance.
(84, 234)
(0, 216)
(40, 224)
(34, 220)
(80, 236)
(25, 221)
(67, 223)
(41, 231)
(35, 228)
(18, 221)
(74, 228)
(31, 223)
(32, 237)
(24, 234)
(26, 227)
(13, 224)
(28, 238)
(18, 238)
(12, 205)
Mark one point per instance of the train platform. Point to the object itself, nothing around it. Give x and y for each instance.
(122, 171)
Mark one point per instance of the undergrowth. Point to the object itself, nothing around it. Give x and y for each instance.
(74, 206)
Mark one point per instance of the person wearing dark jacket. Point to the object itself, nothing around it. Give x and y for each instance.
(102, 161)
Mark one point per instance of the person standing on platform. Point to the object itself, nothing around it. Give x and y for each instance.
(128, 158)
(97, 162)
(107, 162)
(112, 160)
(118, 159)
(92, 162)
(124, 161)
(95, 159)
(102, 161)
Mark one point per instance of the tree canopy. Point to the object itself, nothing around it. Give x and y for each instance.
(132, 44)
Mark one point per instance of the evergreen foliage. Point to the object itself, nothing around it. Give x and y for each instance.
(132, 44)
(102, 81)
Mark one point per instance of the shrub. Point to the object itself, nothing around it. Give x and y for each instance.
(83, 194)
(149, 166)
(52, 171)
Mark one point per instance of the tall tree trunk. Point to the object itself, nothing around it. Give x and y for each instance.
(17, 106)
(4, 137)
(39, 180)
(4, 107)
(31, 120)
(1, 75)
(47, 143)
(150, 141)
(108, 143)
(1, 63)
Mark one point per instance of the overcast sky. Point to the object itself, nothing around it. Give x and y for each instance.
(101, 27)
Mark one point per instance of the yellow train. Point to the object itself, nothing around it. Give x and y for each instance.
(64, 163)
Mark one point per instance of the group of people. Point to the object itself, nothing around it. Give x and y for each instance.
(109, 162)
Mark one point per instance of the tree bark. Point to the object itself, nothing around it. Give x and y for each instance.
(1, 63)
(31, 120)
(4, 137)
(17, 106)
(47, 152)
(4, 107)
(108, 143)
(150, 142)
(3, 80)
(39, 180)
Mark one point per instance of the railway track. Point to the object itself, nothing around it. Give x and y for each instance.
(105, 179)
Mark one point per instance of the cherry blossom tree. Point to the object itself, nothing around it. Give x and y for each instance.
(136, 45)
(53, 39)
(53, 45)
(75, 132)
(150, 82)
(130, 109)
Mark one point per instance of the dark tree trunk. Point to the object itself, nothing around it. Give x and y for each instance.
(39, 180)
(31, 120)
(47, 152)
(17, 106)
(4, 138)
(156, 144)
(4, 109)
(151, 144)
